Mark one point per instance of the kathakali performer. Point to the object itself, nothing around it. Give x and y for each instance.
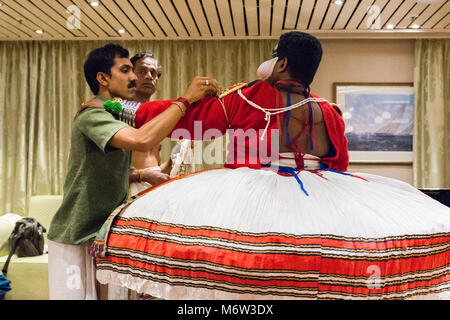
(276, 223)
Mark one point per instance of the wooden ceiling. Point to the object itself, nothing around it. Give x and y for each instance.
(221, 19)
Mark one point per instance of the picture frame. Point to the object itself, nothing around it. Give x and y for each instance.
(379, 120)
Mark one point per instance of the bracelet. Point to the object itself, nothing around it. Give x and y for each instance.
(180, 106)
(141, 175)
(184, 101)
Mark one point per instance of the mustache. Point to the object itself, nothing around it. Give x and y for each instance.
(132, 84)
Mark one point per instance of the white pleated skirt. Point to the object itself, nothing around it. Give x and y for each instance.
(258, 234)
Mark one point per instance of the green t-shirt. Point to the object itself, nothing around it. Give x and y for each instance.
(97, 179)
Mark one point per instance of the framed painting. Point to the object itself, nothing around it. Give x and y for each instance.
(379, 121)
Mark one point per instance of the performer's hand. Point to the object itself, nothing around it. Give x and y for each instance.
(92, 103)
(201, 87)
(155, 177)
(166, 167)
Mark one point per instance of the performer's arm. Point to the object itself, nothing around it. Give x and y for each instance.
(208, 111)
(155, 130)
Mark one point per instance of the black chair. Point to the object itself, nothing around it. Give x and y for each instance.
(441, 195)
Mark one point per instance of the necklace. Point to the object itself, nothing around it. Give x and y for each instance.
(270, 112)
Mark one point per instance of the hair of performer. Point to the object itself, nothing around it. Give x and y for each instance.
(109, 67)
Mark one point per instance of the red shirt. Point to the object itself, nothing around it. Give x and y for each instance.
(248, 124)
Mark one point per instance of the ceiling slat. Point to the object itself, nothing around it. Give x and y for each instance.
(142, 10)
(8, 19)
(225, 17)
(347, 10)
(156, 11)
(291, 14)
(94, 20)
(185, 15)
(4, 33)
(222, 19)
(428, 12)
(401, 12)
(238, 17)
(444, 23)
(136, 20)
(305, 14)
(85, 19)
(11, 31)
(30, 16)
(62, 10)
(415, 11)
(277, 17)
(106, 14)
(251, 13)
(199, 17)
(213, 19)
(264, 17)
(174, 19)
(372, 20)
(442, 12)
(319, 11)
(330, 18)
(388, 11)
(56, 16)
(122, 20)
(12, 25)
(50, 27)
(359, 14)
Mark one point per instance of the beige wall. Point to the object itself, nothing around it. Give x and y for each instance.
(367, 61)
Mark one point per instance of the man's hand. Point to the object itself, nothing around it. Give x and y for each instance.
(92, 103)
(201, 87)
(155, 177)
(166, 167)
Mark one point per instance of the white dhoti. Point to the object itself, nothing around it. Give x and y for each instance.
(118, 292)
(71, 272)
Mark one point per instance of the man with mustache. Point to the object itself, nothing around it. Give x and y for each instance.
(99, 162)
(146, 170)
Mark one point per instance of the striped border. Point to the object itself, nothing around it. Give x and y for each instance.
(336, 266)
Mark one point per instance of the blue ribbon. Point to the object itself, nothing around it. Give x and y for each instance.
(288, 117)
(337, 171)
(292, 171)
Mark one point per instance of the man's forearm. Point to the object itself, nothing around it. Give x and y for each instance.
(151, 133)
(154, 131)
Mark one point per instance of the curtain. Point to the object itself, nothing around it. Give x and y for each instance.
(43, 84)
(431, 166)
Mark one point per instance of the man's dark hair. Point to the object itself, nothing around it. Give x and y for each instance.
(142, 55)
(102, 60)
(303, 52)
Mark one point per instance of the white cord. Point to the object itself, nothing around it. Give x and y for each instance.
(274, 111)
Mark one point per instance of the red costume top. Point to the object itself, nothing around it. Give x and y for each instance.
(248, 124)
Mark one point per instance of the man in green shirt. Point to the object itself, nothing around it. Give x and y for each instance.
(99, 162)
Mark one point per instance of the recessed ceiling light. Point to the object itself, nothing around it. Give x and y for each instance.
(121, 31)
(39, 31)
(389, 26)
(94, 3)
(338, 2)
(415, 26)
